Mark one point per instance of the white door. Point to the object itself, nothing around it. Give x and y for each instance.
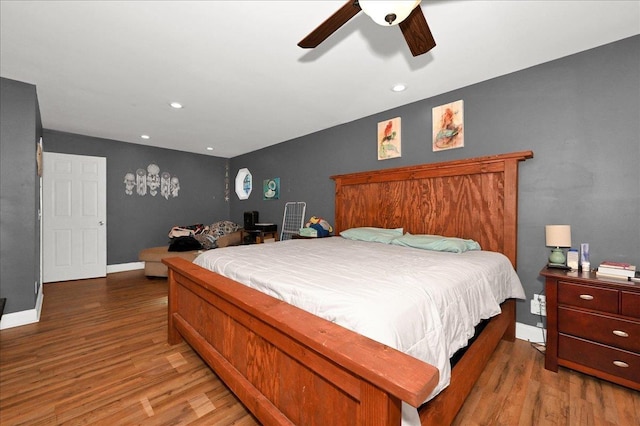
(74, 210)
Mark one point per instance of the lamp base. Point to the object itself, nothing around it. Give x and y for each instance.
(557, 256)
(558, 266)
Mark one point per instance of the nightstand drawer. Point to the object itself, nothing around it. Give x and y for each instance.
(616, 362)
(630, 304)
(599, 299)
(611, 331)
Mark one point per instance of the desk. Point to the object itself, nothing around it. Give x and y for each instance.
(256, 236)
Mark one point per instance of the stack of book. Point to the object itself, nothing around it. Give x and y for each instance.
(619, 270)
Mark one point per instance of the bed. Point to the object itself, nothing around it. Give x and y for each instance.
(291, 367)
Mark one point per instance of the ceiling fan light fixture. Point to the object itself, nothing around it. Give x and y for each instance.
(387, 13)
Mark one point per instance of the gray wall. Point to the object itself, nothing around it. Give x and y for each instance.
(136, 222)
(580, 115)
(20, 129)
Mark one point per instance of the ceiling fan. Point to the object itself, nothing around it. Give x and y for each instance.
(406, 14)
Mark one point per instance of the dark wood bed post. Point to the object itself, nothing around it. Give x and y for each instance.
(511, 230)
(511, 210)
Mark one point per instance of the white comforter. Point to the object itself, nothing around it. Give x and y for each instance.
(421, 302)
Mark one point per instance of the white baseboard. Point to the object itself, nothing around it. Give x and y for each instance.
(122, 267)
(29, 316)
(530, 333)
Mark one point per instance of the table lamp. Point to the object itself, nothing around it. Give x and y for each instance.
(558, 236)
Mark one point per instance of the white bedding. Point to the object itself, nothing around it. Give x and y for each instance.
(421, 302)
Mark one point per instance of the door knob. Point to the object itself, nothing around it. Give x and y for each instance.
(101, 223)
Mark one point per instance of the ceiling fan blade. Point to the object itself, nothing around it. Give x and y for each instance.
(417, 33)
(328, 27)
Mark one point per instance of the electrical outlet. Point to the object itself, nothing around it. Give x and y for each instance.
(535, 307)
(539, 305)
(543, 304)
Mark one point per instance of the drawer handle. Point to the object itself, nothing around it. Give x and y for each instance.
(620, 364)
(620, 333)
(586, 297)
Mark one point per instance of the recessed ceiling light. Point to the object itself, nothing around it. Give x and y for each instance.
(145, 136)
(176, 105)
(209, 148)
(399, 88)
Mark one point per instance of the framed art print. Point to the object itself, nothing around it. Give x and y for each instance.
(244, 184)
(271, 189)
(389, 141)
(448, 126)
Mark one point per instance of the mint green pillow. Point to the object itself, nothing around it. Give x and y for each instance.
(436, 243)
(378, 235)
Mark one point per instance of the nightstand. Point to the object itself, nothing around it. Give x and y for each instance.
(593, 325)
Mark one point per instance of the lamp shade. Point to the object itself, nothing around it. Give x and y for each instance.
(558, 235)
(388, 12)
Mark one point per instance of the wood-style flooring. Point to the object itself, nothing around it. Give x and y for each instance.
(99, 356)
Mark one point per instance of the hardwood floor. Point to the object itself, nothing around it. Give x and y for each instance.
(99, 356)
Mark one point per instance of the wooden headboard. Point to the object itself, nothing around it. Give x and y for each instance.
(475, 198)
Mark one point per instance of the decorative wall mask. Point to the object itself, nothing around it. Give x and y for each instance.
(151, 179)
(141, 182)
(175, 186)
(165, 185)
(129, 183)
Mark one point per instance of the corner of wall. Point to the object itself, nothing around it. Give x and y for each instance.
(30, 316)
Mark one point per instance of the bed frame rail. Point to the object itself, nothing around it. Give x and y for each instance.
(321, 373)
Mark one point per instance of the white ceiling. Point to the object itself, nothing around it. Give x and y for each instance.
(110, 68)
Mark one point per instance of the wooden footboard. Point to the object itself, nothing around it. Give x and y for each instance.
(286, 365)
